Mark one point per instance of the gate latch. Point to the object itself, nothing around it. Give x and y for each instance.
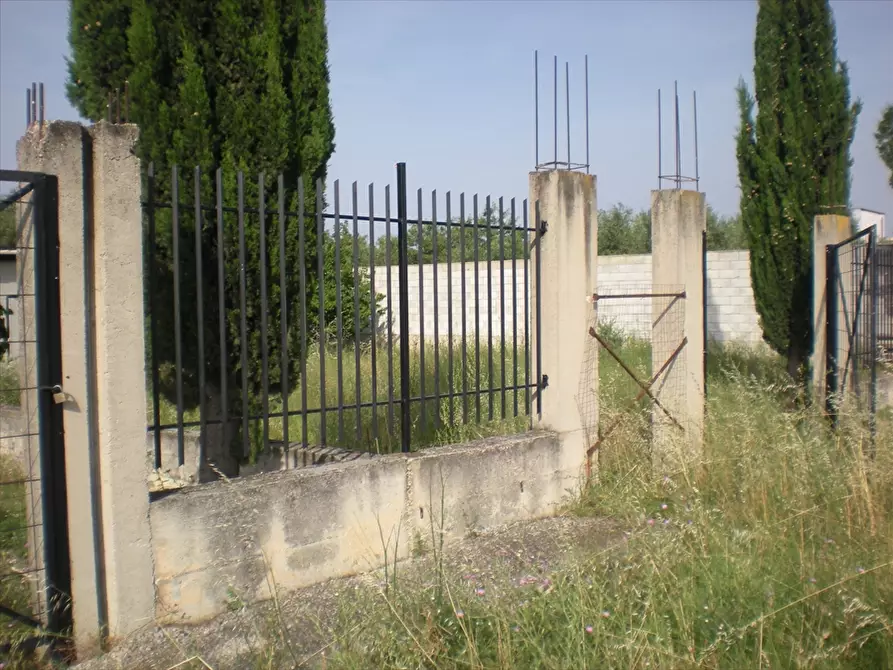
(59, 396)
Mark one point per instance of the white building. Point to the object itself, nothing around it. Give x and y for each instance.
(864, 218)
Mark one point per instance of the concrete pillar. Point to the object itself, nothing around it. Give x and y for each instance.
(827, 229)
(567, 257)
(100, 242)
(678, 223)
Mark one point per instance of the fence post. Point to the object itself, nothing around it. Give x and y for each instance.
(678, 226)
(565, 257)
(403, 281)
(828, 229)
(873, 338)
(831, 343)
(102, 321)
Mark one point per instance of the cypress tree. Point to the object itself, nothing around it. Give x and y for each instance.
(793, 162)
(243, 85)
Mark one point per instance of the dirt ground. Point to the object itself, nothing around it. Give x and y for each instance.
(240, 639)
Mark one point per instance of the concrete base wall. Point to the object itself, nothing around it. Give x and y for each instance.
(238, 540)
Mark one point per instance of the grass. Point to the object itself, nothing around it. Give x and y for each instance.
(10, 395)
(15, 590)
(434, 422)
(775, 551)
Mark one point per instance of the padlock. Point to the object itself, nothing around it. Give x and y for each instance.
(59, 396)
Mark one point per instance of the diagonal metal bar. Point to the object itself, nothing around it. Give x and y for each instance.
(851, 332)
(641, 394)
(632, 374)
(12, 198)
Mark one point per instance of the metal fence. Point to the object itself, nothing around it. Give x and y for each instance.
(278, 320)
(884, 262)
(35, 578)
(853, 291)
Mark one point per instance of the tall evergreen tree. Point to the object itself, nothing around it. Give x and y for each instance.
(793, 162)
(239, 84)
(884, 138)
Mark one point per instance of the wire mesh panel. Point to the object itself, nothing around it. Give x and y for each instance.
(34, 572)
(636, 334)
(884, 262)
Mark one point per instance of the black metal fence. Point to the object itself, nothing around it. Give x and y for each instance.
(35, 578)
(853, 291)
(276, 320)
(884, 262)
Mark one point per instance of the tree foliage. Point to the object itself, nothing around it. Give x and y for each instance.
(622, 231)
(793, 162)
(242, 85)
(884, 137)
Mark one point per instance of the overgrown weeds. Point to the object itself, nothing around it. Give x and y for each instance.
(774, 552)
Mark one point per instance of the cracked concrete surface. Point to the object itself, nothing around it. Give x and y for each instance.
(308, 620)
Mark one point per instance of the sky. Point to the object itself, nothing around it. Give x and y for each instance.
(447, 86)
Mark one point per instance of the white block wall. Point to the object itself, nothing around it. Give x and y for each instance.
(731, 315)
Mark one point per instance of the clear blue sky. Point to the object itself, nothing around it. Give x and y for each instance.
(448, 87)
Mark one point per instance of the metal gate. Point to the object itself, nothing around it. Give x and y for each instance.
(637, 333)
(852, 292)
(35, 577)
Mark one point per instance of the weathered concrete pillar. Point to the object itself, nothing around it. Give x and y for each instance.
(827, 229)
(121, 377)
(63, 150)
(100, 250)
(678, 223)
(567, 256)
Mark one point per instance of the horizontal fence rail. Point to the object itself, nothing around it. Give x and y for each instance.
(275, 320)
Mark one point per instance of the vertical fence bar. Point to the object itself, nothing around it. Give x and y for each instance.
(421, 262)
(320, 269)
(243, 310)
(514, 307)
(221, 306)
(373, 314)
(449, 243)
(403, 279)
(283, 315)
(873, 340)
(464, 324)
(339, 318)
(490, 391)
(538, 308)
(502, 301)
(153, 312)
(264, 312)
(704, 307)
(53, 490)
(356, 315)
(477, 310)
(526, 242)
(200, 317)
(389, 310)
(302, 277)
(831, 333)
(178, 326)
(434, 235)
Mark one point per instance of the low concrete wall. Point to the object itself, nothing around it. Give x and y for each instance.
(237, 539)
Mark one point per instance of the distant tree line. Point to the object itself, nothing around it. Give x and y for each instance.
(621, 231)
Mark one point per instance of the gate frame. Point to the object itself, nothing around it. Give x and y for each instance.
(44, 190)
(834, 295)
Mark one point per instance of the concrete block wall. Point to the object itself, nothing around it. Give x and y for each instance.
(731, 314)
(483, 302)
